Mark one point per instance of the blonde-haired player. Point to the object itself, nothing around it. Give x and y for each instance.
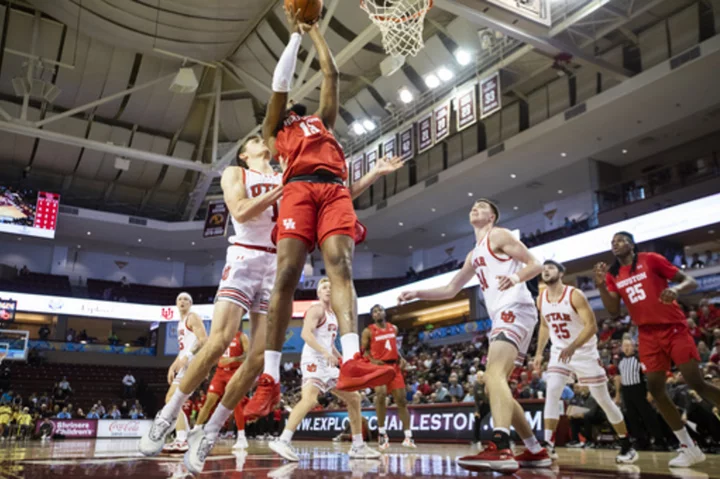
(319, 366)
(191, 336)
(567, 317)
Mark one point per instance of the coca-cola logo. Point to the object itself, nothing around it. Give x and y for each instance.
(124, 426)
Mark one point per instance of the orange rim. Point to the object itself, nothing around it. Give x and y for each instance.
(383, 18)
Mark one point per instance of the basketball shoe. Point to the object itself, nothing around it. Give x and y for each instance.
(501, 460)
(359, 373)
(267, 396)
(539, 459)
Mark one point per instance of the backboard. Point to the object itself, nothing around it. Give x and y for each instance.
(535, 10)
(17, 344)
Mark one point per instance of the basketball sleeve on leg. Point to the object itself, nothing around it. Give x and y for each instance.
(554, 389)
(602, 396)
(285, 69)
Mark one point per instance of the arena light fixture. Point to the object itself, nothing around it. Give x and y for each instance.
(445, 74)
(463, 56)
(515, 208)
(357, 128)
(409, 246)
(563, 154)
(513, 175)
(406, 95)
(89, 233)
(400, 223)
(442, 234)
(432, 81)
(369, 125)
(624, 152)
(433, 210)
(192, 244)
(139, 240)
(560, 192)
(470, 193)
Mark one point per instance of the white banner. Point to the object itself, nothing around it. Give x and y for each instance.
(122, 427)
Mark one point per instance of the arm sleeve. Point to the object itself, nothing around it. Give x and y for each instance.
(662, 266)
(285, 69)
(610, 283)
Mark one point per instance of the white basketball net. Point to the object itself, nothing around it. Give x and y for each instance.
(400, 22)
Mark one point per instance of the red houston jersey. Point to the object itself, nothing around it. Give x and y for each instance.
(383, 344)
(308, 146)
(235, 350)
(640, 290)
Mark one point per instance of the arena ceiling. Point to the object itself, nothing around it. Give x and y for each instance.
(96, 49)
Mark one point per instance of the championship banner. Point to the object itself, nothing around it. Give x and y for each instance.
(407, 149)
(442, 121)
(466, 111)
(107, 428)
(425, 136)
(390, 147)
(371, 158)
(431, 423)
(357, 167)
(490, 95)
(69, 428)
(216, 219)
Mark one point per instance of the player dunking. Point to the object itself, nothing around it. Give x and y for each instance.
(318, 364)
(316, 209)
(566, 316)
(641, 280)
(503, 265)
(191, 336)
(379, 343)
(251, 195)
(230, 362)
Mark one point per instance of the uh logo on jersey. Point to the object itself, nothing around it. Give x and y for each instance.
(260, 188)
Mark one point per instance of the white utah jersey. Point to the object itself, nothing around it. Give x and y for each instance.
(257, 231)
(186, 337)
(325, 334)
(488, 266)
(564, 322)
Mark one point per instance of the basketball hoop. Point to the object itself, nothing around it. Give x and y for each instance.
(400, 22)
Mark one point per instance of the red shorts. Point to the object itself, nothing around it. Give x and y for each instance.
(398, 381)
(312, 212)
(664, 344)
(220, 380)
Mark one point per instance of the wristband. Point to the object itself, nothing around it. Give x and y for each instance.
(514, 278)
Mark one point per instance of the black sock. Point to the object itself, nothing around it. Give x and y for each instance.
(501, 439)
(625, 443)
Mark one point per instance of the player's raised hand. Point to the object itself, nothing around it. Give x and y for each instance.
(332, 361)
(385, 165)
(295, 23)
(668, 296)
(406, 296)
(600, 271)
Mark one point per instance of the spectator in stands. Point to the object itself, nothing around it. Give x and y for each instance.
(710, 259)
(696, 261)
(70, 338)
(113, 339)
(441, 393)
(83, 336)
(113, 414)
(44, 332)
(100, 408)
(537, 384)
(124, 283)
(136, 413)
(65, 385)
(568, 224)
(93, 414)
(694, 331)
(703, 351)
(129, 385)
(424, 387)
(24, 271)
(7, 397)
(455, 390)
(64, 414)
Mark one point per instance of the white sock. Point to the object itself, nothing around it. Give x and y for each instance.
(272, 364)
(684, 438)
(549, 436)
(381, 430)
(350, 343)
(287, 435)
(181, 435)
(408, 434)
(216, 422)
(172, 409)
(357, 439)
(532, 444)
(241, 434)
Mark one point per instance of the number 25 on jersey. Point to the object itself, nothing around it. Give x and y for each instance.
(635, 293)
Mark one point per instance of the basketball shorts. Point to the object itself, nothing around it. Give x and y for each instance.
(516, 323)
(220, 380)
(398, 381)
(313, 212)
(248, 278)
(585, 366)
(663, 344)
(319, 374)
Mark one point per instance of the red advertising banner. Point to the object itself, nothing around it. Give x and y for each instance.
(216, 219)
(442, 121)
(490, 95)
(46, 210)
(69, 428)
(407, 149)
(425, 136)
(466, 109)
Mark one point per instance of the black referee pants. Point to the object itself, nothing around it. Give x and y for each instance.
(641, 417)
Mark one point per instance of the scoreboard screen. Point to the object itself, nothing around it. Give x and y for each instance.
(28, 212)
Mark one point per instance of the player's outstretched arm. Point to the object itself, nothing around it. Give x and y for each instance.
(330, 87)
(443, 292)
(240, 206)
(383, 167)
(365, 342)
(606, 287)
(543, 338)
(507, 243)
(313, 316)
(590, 329)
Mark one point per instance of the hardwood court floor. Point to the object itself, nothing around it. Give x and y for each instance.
(118, 458)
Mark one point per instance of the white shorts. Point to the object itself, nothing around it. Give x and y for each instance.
(319, 374)
(248, 278)
(517, 323)
(585, 366)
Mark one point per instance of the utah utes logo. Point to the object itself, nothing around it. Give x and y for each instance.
(508, 316)
(168, 313)
(312, 368)
(226, 273)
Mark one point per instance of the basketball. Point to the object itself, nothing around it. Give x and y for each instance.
(309, 9)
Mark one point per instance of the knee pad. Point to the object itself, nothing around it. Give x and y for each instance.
(553, 390)
(601, 394)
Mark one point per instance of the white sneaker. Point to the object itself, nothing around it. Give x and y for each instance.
(627, 457)
(409, 443)
(181, 447)
(199, 449)
(241, 443)
(153, 441)
(284, 449)
(363, 452)
(689, 456)
(283, 472)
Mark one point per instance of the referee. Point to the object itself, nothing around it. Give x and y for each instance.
(640, 415)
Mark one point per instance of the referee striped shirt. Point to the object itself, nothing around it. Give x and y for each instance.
(630, 372)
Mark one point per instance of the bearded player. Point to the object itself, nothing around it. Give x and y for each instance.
(503, 265)
(319, 366)
(641, 280)
(316, 209)
(230, 362)
(379, 343)
(251, 193)
(191, 336)
(567, 318)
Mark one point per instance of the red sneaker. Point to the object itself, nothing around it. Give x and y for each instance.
(267, 396)
(359, 373)
(528, 459)
(501, 460)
